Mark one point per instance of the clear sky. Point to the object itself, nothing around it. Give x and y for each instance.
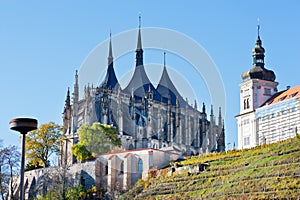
(43, 43)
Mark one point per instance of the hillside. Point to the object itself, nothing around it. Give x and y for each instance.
(265, 172)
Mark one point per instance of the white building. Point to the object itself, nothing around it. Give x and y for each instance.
(266, 115)
(279, 118)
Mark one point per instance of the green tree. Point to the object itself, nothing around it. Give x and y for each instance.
(42, 143)
(98, 138)
(81, 153)
(74, 193)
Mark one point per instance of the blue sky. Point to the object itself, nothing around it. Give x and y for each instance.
(43, 43)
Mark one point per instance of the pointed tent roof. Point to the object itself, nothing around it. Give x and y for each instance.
(140, 82)
(110, 81)
(167, 89)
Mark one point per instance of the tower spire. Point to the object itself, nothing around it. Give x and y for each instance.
(220, 117)
(139, 42)
(76, 89)
(258, 28)
(140, 20)
(68, 102)
(258, 51)
(164, 59)
(110, 56)
(139, 49)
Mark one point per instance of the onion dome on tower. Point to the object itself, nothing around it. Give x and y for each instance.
(258, 71)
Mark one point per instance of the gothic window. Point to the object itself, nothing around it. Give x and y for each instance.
(122, 167)
(106, 169)
(140, 165)
(130, 147)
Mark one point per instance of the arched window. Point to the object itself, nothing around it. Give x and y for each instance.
(106, 169)
(245, 104)
(122, 167)
(130, 147)
(140, 165)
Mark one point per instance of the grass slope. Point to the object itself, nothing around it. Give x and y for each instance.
(265, 172)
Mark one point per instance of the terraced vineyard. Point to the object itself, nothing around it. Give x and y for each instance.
(264, 172)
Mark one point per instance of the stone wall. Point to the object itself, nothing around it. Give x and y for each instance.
(108, 172)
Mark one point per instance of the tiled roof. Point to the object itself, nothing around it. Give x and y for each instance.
(293, 92)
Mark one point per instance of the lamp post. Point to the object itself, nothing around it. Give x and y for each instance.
(23, 125)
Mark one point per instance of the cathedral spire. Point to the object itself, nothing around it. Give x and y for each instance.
(220, 117)
(76, 89)
(110, 56)
(68, 102)
(139, 49)
(164, 59)
(110, 81)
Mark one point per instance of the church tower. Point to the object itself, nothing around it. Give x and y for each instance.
(258, 86)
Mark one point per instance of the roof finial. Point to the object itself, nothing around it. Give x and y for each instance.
(110, 56)
(164, 59)
(139, 42)
(140, 20)
(258, 27)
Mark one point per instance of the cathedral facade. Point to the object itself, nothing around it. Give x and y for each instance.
(146, 116)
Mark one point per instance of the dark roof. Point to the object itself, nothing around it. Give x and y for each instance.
(140, 84)
(259, 73)
(110, 81)
(167, 89)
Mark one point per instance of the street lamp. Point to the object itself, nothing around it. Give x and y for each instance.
(23, 125)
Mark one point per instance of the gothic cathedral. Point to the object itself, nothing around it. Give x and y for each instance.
(145, 116)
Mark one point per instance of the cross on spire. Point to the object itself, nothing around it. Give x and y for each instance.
(140, 18)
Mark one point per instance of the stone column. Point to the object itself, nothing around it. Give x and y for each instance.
(112, 173)
(128, 170)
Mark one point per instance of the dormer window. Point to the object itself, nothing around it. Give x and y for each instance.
(282, 98)
(294, 94)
